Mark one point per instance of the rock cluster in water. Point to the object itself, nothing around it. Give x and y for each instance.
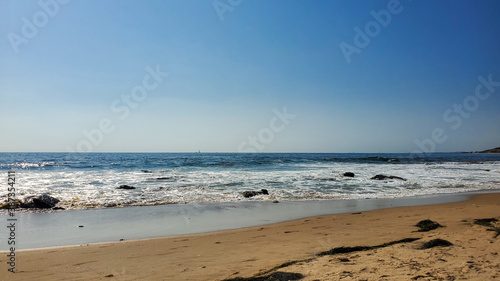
(248, 194)
(384, 177)
(43, 201)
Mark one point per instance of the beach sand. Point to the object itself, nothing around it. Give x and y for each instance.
(288, 251)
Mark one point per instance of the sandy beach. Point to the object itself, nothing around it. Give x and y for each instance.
(232, 140)
(289, 250)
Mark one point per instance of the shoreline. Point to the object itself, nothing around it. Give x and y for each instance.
(250, 251)
(60, 229)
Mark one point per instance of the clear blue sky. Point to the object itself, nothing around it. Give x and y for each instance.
(65, 67)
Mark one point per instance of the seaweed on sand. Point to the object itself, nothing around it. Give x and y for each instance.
(427, 225)
(344, 250)
(488, 223)
(485, 222)
(276, 276)
(268, 276)
(435, 243)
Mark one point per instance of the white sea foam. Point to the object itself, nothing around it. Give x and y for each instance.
(96, 188)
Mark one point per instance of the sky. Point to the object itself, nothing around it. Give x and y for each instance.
(249, 76)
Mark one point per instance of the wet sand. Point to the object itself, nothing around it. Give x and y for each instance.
(293, 247)
(61, 228)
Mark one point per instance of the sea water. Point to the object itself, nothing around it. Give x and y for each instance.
(91, 180)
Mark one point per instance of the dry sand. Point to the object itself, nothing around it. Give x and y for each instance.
(254, 252)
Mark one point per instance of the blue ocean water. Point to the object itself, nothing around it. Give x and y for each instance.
(90, 180)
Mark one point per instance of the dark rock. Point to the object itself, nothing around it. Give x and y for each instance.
(378, 177)
(349, 174)
(48, 199)
(43, 201)
(146, 171)
(276, 201)
(58, 208)
(27, 204)
(125, 187)
(164, 178)
(384, 177)
(248, 194)
(41, 204)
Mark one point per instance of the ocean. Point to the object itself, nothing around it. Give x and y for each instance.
(90, 180)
